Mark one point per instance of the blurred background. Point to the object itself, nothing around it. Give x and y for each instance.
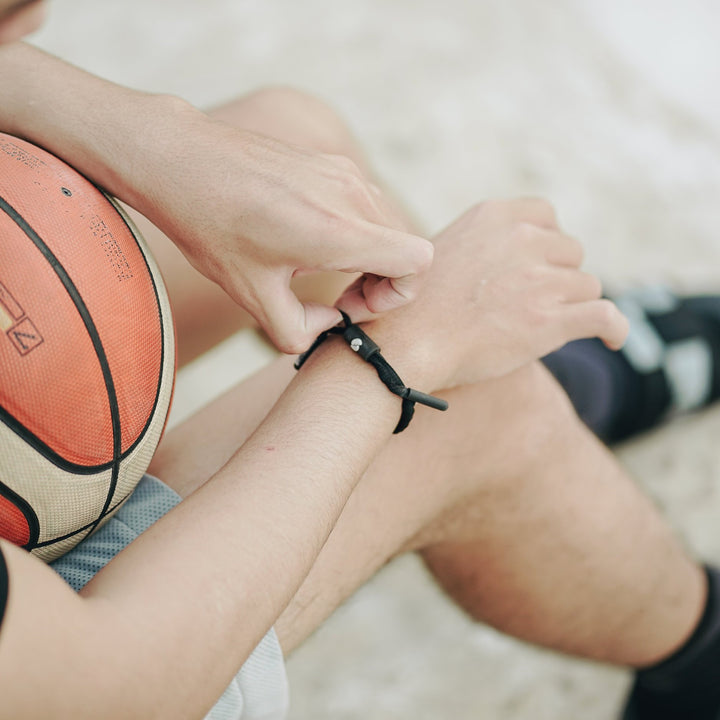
(610, 109)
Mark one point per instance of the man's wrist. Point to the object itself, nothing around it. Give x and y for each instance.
(141, 176)
(410, 353)
(334, 374)
(369, 351)
(110, 133)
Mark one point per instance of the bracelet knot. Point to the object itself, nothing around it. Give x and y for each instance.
(369, 351)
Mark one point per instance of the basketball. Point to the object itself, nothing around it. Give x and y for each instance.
(87, 353)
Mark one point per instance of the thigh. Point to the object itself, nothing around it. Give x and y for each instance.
(443, 474)
(528, 522)
(526, 519)
(441, 462)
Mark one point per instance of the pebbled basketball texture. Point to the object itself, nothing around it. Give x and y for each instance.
(87, 352)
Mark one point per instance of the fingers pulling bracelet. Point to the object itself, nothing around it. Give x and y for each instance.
(370, 352)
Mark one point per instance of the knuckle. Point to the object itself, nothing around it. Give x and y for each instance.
(524, 232)
(544, 209)
(271, 98)
(534, 275)
(577, 248)
(360, 194)
(606, 312)
(287, 339)
(291, 343)
(594, 286)
(495, 207)
(537, 317)
(346, 165)
(297, 347)
(480, 211)
(620, 323)
(355, 186)
(425, 255)
(338, 224)
(544, 205)
(481, 207)
(624, 329)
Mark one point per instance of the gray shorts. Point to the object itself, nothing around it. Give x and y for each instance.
(260, 690)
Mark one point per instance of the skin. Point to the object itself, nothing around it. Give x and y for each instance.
(254, 213)
(177, 600)
(462, 514)
(194, 297)
(192, 596)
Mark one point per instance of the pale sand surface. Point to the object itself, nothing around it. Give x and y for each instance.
(610, 109)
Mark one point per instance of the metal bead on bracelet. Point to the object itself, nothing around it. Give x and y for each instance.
(368, 350)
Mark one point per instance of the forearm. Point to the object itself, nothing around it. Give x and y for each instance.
(109, 133)
(248, 211)
(264, 516)
(202, 586)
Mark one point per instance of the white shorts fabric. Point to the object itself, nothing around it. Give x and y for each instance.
(260, 690)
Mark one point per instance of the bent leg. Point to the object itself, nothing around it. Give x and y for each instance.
(528, 522)
(522, 515)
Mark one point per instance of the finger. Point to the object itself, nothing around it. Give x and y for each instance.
(376, 190)
(344, 162)
(382, 251)
(535, 210)
(290, 324)
(352, 301)
(385, 294)
(371, 295)
(575, 286)
(597, 318)
(561, 249)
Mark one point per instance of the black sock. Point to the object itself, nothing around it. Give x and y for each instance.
(686, 686)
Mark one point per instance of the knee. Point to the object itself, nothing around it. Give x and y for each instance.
(284, 98)
(509, 456)
(541, 417)
(500, 437)
(314, 123)
(528, 419)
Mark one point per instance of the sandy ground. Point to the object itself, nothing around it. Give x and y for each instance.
(608, 108)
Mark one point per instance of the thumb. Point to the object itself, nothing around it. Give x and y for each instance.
(384, 294)
(291, 325)
(370, 295)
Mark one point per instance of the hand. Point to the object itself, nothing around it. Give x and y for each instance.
(250, 213)
(504, 290)
(247, 211)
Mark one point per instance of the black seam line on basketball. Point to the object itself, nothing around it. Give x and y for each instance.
(51, 455)
(82, 309)
(161, 371)
(13, 424)
(26, 509)
(90, 525)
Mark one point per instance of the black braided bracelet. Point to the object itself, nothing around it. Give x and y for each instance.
(370, 352)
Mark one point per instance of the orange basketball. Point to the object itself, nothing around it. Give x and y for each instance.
(87, 352)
